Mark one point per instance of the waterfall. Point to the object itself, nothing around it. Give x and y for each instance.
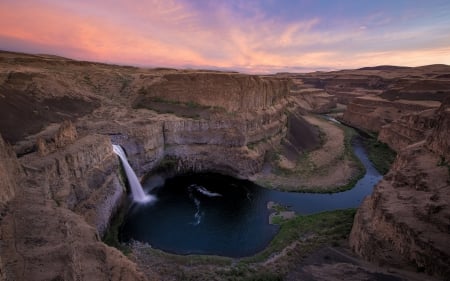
(135, 185)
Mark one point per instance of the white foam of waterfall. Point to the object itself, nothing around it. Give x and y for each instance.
(136, 188)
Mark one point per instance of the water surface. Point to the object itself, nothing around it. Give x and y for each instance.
(221, 215)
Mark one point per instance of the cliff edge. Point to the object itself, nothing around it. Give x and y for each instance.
(406, 221)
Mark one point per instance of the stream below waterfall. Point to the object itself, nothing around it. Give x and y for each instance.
(221, 215)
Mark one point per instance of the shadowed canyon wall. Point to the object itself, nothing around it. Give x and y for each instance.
(406, 220)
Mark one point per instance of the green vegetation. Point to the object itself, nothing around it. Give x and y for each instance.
(111, 237)
(167, 164)
(188, 109)
(277, 219)
(312, 230)
(380, 154)
(279, 208)
(444, 163)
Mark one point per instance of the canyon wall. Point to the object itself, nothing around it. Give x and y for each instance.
(10, 171)
(222, 144)
(82, 177)
(41, 237)
(406, 220)
(371, 113)
(439, 140)
(231, 91)
(408, 129)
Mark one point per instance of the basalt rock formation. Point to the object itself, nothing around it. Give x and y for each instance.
(44, 236)
(376, 96)
(371, 113)
(409, 129)
(406, 221)
(237, 92)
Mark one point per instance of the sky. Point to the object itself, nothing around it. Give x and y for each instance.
(265, 36)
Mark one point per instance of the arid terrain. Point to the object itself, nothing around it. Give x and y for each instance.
(62, 189)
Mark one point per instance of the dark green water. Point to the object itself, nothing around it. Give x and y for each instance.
(221, 215)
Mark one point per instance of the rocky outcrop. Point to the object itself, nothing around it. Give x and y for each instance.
(10, 171)
(43, 240)
(314, 100)
(10, 174)
(408, 129)
(231, 91)
(221, 145)
(82, 176)
(371, 113)
(439, 140)
(406, 221)
(65, 135)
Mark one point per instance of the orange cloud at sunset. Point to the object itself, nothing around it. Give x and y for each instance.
(239, 36)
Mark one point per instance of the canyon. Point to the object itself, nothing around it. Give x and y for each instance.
(62, 183)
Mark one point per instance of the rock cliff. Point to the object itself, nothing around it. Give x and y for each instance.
(9, 172)
(376, 96)
(408, 129)
(406, 221)
(371, 113)
(42, 239)
(237, 92)
(439, 140)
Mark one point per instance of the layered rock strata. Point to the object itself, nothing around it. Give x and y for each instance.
(231, 91)
(408, 129)
(9, 171)
(43, 240)
(406, 221)
(81, 176)
(371, 113)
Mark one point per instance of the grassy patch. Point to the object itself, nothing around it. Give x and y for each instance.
(444, 163)
(167, 164)
(380, 154)
(312, 230)
(277, 219)
(111, 237)
(188, 109)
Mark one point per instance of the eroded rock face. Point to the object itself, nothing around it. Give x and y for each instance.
(406, 221)
(43, 240)
(408, 129)
(82, 176)
(439, 140)
(371, 113)
(10, 170)
(231, 91)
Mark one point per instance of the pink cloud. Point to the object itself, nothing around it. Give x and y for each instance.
(174, 33)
